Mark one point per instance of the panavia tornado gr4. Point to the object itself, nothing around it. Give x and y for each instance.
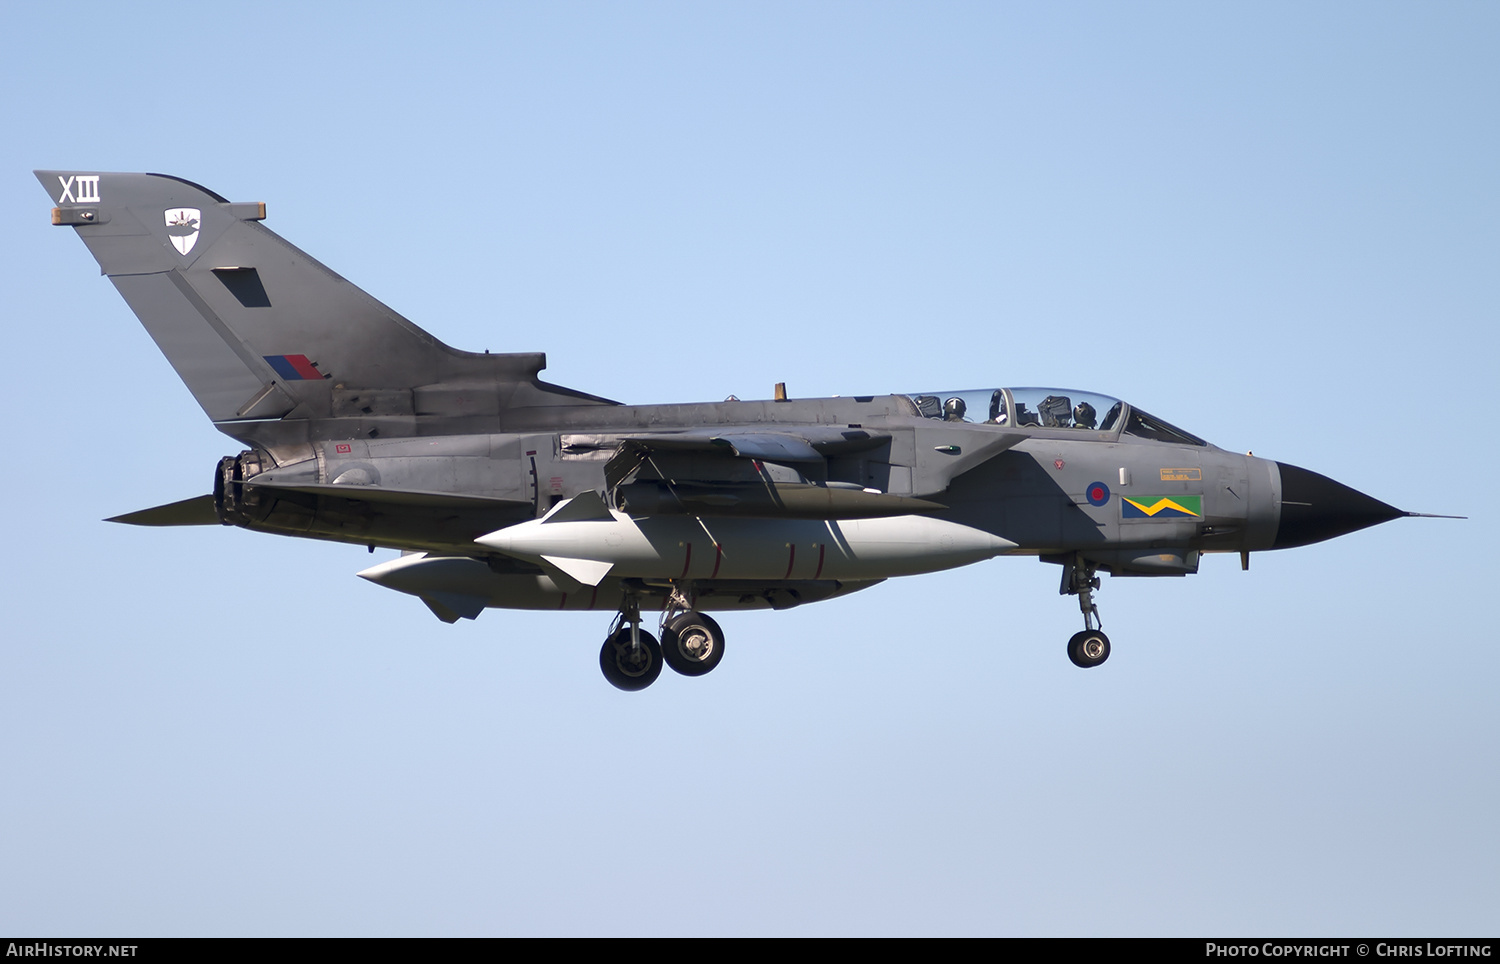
(504, 491)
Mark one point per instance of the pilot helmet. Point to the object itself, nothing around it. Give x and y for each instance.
(954, 409)
(1083, 415)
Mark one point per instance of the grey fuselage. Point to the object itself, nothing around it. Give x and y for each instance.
(1032, 492)
(509, 491)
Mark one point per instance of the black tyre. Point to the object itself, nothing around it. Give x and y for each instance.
(692, 644)
(626, 667)
(1088, 648)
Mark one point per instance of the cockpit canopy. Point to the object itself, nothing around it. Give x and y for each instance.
(1048, 408)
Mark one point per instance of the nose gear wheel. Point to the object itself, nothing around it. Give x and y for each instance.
(1088, 648)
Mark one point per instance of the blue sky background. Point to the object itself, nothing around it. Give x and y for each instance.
(1272, 224)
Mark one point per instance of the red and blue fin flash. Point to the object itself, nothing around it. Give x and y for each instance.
(293, 367)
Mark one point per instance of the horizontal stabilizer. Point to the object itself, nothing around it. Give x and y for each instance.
(197, 511)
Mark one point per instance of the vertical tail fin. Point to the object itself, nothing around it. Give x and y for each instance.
(259, 330)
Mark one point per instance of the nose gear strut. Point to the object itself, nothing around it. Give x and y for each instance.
(1090, 647)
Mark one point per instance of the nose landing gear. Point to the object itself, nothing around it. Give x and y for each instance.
(1090, 647)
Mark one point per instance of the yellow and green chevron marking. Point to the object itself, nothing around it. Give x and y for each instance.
(1162, 507)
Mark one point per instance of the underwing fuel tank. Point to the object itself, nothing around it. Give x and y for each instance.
(459, 587)
(585, 540)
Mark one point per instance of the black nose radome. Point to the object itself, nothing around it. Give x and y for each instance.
(1314, 508)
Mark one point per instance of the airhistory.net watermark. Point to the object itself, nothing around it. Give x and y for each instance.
(40, 949)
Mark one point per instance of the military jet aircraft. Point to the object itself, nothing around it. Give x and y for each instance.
(504, 491)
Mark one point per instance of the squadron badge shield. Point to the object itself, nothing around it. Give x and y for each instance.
(182, 228)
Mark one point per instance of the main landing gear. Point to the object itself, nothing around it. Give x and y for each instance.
(1090, 647)
(631, 657)
(691, 643)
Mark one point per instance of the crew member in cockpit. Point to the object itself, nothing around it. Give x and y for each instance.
(997, 408)
(954, 409)
(1084, 416)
